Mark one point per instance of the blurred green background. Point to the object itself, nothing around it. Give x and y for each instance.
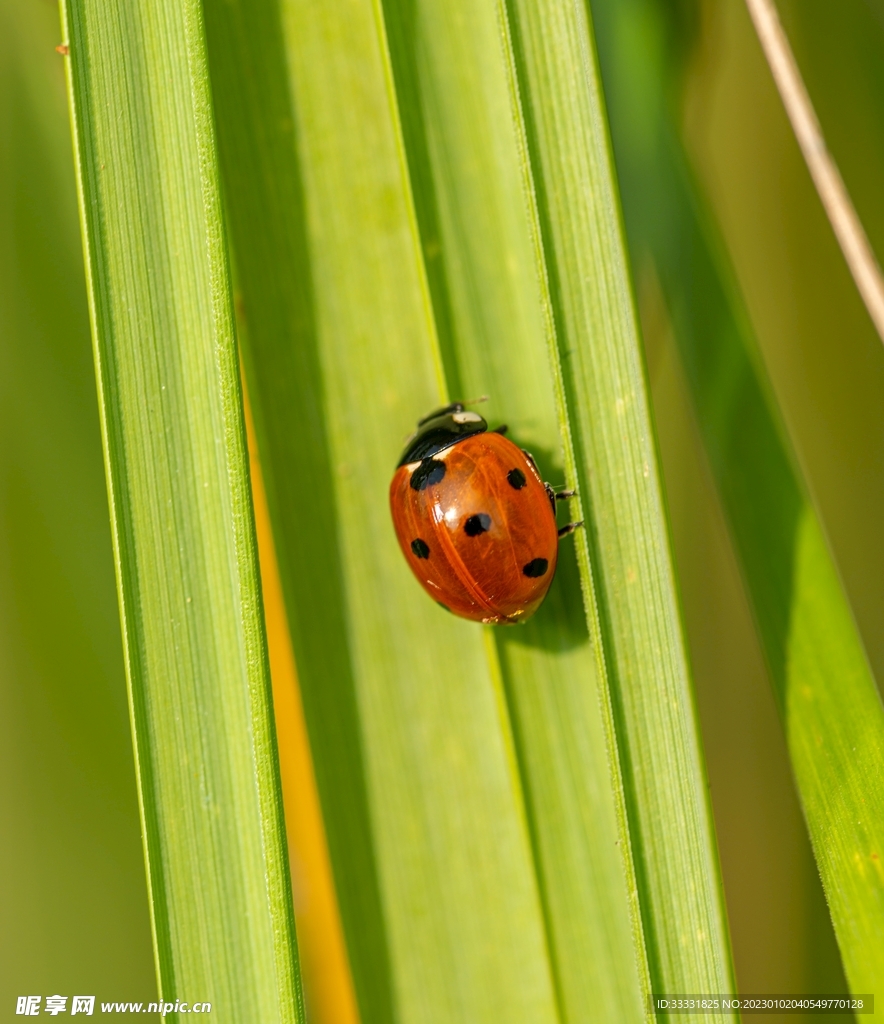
(73, 898)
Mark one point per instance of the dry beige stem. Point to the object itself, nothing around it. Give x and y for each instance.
(823, 169)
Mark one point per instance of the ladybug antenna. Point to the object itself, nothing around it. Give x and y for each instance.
(475, 401)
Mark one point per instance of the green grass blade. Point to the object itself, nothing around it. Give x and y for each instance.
(411, 744)
(181, 514)
(617, 476)
(831, 709)
(465, 143)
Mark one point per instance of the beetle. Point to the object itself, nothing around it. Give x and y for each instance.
(474, 519)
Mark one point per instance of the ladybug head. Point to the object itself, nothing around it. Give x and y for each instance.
(440, 430)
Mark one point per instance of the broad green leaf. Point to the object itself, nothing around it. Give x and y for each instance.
(181, 514)
(615, 469)
(831, 709)
(465, 142)
(410, 737)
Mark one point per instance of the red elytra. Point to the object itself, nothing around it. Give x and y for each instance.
(474, 520)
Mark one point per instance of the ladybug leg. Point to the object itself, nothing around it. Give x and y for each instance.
(570, 528)
(553, 497)
(502, 429)
(550, 493)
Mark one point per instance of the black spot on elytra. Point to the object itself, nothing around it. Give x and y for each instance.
(479, 523)
(536, 567)
(420, 548)
(430, 471)
(516, 478)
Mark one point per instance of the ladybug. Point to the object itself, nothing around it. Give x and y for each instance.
(474, 519)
